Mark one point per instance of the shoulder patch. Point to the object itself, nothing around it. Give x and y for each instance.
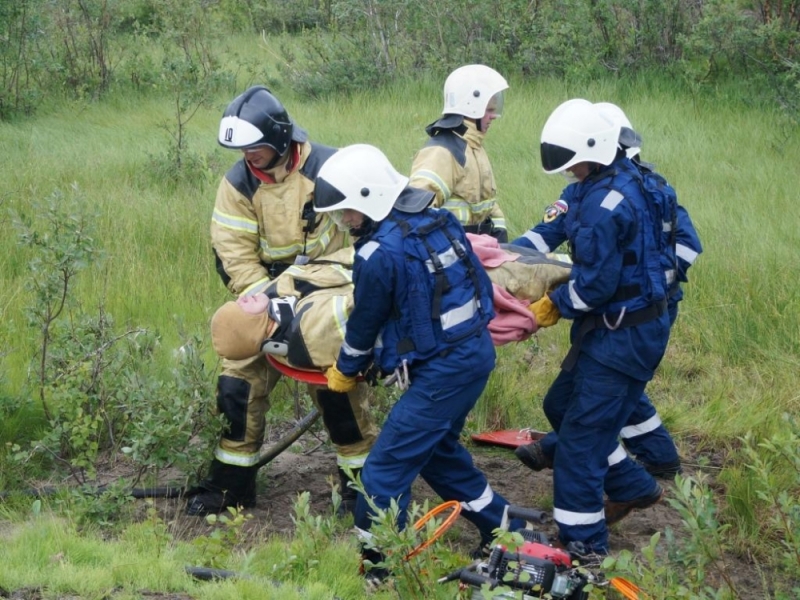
(559, 207)
(367, 249)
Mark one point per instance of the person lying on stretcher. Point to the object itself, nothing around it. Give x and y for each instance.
(301, 319)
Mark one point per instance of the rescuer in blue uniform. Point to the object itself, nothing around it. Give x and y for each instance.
(616, 297)
(422, 303)
(644, 435)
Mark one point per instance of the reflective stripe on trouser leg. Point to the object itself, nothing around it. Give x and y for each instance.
(452, 474)
(243, 392)
(350, 425)
(421, 434)
(600, 404)
(646, 437)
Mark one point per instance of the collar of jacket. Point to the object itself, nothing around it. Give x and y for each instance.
(472, 135)
(279, 173)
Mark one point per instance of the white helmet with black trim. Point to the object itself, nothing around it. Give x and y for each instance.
(470, 89)
(629, 140)
(358, 177)
(577, 131)
(257, 118)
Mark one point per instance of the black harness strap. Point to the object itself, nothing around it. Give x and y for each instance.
(592, 322)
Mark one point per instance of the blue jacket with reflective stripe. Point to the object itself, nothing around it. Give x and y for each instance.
(549, 234)
(392, 318)
(617, 266)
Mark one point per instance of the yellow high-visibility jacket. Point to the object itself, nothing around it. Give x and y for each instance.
(263, 221)
(454, 165)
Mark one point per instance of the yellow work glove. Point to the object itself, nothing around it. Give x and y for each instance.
(545, 312)
(338, 381)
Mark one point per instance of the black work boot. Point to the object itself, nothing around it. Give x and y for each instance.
(533, 457)
(374, 576)
(349, 495)
(225, 485)
(616, 511)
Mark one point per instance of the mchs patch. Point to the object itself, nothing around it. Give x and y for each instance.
(555, 209)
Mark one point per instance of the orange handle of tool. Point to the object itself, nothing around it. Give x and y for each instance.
(453, 506)
(630, 590)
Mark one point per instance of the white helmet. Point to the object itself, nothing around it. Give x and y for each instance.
(359, 177)
(575, 132)
(469, 89)
(629, 140)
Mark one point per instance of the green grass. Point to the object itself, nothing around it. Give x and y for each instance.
(734, 354)
(730, 163)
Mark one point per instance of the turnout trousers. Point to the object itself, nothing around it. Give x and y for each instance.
(243, 391)
(421, 437)
(587, 408)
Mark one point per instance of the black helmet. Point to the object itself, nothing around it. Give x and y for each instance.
(257, 118)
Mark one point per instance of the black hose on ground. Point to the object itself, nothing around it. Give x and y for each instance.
(207, 574)
(176, 492)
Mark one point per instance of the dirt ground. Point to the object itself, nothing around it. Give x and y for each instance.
(299, 470)
(310, 466)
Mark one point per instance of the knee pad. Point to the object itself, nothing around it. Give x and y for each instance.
(232, 397)
(338, 416)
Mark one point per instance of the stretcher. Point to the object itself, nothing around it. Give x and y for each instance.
(509, 438)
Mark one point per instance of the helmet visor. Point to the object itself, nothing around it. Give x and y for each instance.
(326, 196)
(554, 158)
(496, 103)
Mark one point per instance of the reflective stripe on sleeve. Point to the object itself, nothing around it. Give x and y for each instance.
(234, 222)
(577, 303)
(537, 240)
(368, 249)
(350, 351)
(434, 179)
(686, 253)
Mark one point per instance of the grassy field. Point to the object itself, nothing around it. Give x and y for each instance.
(734, 355)
(739, 332)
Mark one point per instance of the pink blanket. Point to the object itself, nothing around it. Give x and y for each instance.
(513, 322)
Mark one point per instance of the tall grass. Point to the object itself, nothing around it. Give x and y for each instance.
(736, 341)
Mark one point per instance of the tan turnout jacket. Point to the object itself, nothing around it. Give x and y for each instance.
(456, 168)
(257, 223)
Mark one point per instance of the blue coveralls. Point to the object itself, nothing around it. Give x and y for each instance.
(421, 433)
(644, 435)
(616, 267)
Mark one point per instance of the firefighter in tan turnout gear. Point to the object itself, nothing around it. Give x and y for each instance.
(453, 164)
(263, 222)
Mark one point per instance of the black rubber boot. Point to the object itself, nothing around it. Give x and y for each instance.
(348, 494)
(225, 485)
(374, 576)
